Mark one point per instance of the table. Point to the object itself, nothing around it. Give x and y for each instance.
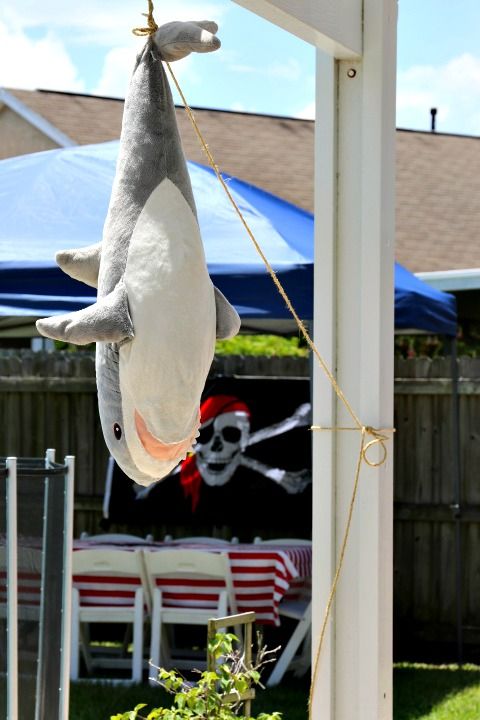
(262, 575)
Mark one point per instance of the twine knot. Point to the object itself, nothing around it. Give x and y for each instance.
(378, 438)
(152, 25)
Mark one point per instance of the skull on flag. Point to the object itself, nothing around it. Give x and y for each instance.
(223, 437)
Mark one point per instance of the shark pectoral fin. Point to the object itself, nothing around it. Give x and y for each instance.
(81, 264)
(107, 320)
(228, 320)
(176, 40)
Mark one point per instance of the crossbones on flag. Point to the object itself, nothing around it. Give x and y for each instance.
(221, 447)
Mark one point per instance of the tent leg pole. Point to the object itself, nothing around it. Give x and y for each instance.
(456, 505)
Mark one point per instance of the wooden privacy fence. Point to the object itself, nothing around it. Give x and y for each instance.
(49, 400)
(437, 528)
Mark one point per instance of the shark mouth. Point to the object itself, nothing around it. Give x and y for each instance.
(166, 452)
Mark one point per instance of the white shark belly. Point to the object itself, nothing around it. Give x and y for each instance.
(172, 305)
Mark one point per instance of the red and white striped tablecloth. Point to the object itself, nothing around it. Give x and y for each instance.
(262, 576)
(29, 578)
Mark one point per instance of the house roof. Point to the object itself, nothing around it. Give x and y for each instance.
(438, 175)
(438, 208)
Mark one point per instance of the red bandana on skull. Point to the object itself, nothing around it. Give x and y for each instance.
(223, 437)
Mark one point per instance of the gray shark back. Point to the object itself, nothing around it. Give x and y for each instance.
(150, 151)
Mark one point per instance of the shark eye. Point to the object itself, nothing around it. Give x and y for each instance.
(117, 431)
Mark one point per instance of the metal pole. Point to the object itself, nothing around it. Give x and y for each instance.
(457, 498)
(67, 589)
(46, 696)
(12, 591)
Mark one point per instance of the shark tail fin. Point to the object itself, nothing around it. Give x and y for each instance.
(176, 40)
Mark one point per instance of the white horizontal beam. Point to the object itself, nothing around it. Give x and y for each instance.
(334, 26)
(468, 279)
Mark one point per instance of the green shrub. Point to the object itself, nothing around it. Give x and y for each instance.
(216, 695)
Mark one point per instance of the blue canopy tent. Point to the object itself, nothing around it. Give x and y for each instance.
(58, 199)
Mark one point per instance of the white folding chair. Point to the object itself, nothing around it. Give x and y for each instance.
(296, 609)
(188, 587)
(300, 610)
(116, 538)
(107, 588)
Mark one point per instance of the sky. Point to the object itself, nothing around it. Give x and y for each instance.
(88, 47)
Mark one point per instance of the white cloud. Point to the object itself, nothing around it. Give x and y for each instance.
(289, 70)
(247, 69)
(307, 112)
(116, 72)
(452, 88)
(105, 23)
(118, 67)
(238, 107)
(30, 64)
(40, 33)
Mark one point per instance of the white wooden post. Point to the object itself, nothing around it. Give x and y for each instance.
(353, 328)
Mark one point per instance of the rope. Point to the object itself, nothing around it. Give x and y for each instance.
(152, 26)
(378, 436)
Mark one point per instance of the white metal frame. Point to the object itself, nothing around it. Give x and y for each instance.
(354, 330)
(12, 591)
(67, 586)
(12, 588)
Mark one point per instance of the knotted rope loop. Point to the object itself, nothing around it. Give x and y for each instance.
(152, 25)
(378, 438)
(378, 435)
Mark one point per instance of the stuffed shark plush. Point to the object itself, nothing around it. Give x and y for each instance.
(157, 314)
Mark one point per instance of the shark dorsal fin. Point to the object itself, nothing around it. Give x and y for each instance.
(81, 264)
(228, 320)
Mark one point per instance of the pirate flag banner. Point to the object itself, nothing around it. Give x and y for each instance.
(250, 469)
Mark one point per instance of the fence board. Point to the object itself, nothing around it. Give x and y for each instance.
(49, 400)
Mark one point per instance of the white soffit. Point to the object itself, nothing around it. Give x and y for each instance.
(451, 280)
(334, 26)
(35, 119)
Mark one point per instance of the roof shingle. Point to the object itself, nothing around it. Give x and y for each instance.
(438, 176)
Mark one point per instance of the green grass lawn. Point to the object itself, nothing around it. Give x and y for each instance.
(421, 692)
(425, 692)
